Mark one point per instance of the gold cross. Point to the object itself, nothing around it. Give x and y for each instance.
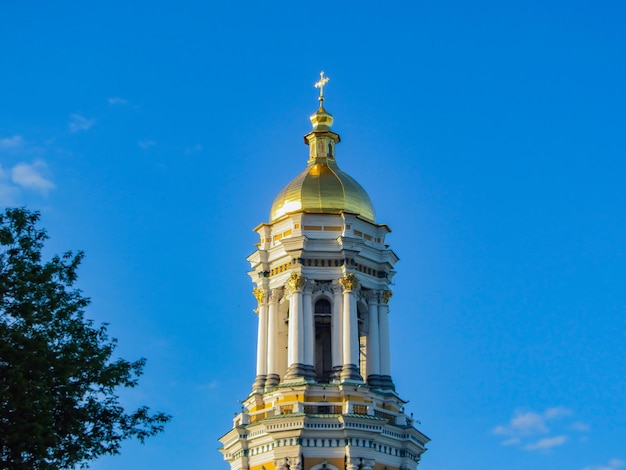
(323, 81)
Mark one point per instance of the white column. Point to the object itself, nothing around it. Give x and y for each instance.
(352, 463)
(373, 340)
(350, 329)
(335, 329)
(308, 330)
(295, 346)
(261, 347)
(383, 312)
(272, 339)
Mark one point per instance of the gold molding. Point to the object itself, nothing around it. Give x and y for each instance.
(350, 282)
(295, 282)
(259, 294)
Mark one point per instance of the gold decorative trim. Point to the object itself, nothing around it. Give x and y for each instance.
(295, 282)
(350, 282)
(387, 295)
(281, 269)
(259, 294)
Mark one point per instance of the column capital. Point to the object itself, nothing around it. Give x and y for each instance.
(294, 463)
(372, 296)
(309, 286)
(274, 295)
(260, 294)
(350, 282)
(386, 295)
(295, 282)
(368, 464)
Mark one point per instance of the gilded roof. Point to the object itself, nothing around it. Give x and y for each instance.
(323, 188)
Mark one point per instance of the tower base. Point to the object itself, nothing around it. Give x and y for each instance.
(350, 373)
(304, 371)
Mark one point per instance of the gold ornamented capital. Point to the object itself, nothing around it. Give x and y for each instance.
(387, 295)
(259, 294)
(295, 282)
(350, 282)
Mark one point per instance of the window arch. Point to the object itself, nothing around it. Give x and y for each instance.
(323, 348)
(322, 306)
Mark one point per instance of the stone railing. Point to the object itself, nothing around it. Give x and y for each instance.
(323, 408)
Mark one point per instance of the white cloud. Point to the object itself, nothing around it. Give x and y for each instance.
(80, 123)
(30, 177)
(23, 176)
(523, 424)
(557, 412)
(11, 143)
(117, 100)
(8, 192)
(528, 423)
(579, 426)
(612, 465)
(525, 428)
(547, 443)
(511, 442)
(146, 144)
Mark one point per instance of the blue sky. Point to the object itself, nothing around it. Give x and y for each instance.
(489, 135)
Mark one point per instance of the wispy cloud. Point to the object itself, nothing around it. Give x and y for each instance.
(194, 149)
(579, 426)
(116, 100)
(31, 177)
(23, 176)
(11, 143)
(526, 427)
(557, 412)
(146, 144)
(547, 443)
(512, 441)
(8, 191)
(613, 464)
(80, 123)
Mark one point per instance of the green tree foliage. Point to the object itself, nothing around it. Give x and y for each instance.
(59, 406)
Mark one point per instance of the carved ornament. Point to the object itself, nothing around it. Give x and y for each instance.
(350, 282)
(295, 282)
(259, 294)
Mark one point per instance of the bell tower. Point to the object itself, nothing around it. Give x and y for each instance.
(323, 397)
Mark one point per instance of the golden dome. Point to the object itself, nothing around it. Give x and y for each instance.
(322, 187)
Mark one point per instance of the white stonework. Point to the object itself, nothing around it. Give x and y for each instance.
(323, 397)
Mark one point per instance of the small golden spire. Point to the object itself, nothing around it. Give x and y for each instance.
(320, 84)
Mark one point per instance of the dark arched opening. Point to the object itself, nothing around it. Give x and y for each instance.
(323, 349)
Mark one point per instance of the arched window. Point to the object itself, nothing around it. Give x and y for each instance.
(322, 306)
(323, 348)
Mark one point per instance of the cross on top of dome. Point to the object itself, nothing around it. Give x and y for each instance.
(320, 84)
